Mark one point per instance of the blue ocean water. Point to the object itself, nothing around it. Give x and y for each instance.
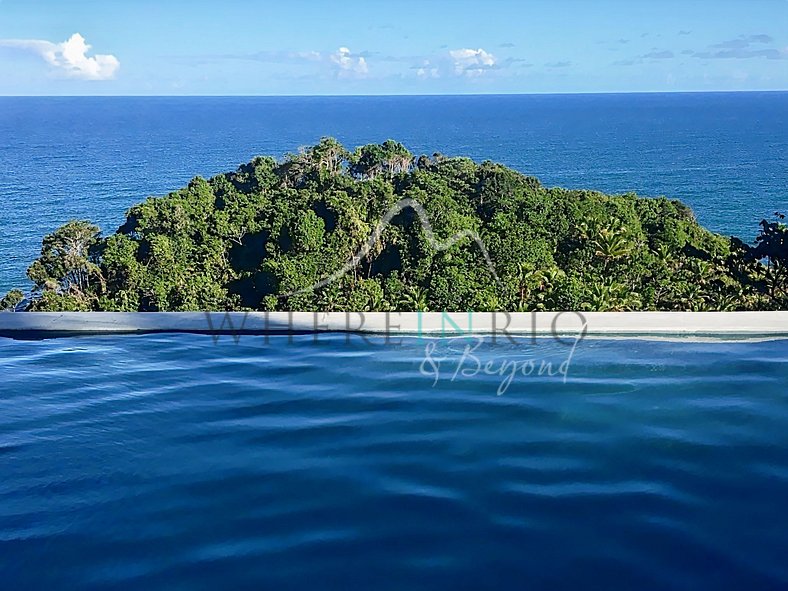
(183, 462)
(724, 154)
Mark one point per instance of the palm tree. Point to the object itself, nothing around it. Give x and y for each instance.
(415, 298)
(664, 256)
(611, 244)
(611, 297)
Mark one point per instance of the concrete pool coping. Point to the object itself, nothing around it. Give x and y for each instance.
(599, 324)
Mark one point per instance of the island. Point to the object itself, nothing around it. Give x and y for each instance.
(378, 229)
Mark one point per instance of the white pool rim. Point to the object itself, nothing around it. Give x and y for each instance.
(600, 324)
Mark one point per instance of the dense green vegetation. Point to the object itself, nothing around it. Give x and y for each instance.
(260, 237)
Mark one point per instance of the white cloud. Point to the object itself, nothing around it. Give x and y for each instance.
(428, 73)
(472, 62)
(70, 57)
(310, 56)
(427, 70)
(342, 63)
(349, 64)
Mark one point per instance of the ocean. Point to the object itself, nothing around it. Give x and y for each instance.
(724, 154)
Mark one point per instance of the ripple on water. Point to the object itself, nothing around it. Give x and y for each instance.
(168, 460)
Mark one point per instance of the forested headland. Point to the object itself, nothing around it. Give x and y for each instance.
(304, 233)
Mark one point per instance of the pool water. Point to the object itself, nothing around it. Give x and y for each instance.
(334, 462)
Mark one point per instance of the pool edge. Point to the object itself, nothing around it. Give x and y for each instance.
(592, 324)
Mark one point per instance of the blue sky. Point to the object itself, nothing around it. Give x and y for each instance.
(300, 47)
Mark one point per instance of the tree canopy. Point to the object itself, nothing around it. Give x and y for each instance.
(262, 238)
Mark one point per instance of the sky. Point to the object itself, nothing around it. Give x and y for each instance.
(365, 47)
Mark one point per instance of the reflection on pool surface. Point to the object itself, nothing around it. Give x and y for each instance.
(193, 462)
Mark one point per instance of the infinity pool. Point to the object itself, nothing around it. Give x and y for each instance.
(183, 461)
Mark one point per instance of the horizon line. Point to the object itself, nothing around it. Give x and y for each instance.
(403, 95)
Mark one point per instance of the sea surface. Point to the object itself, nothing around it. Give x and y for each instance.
(187, 462)
(724, 154)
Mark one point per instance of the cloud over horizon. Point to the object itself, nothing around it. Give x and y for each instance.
(472, 62)
(453, 63)
(743, 47)
(341, 63)
(656, 54)
(70, 57)
(349, 64)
